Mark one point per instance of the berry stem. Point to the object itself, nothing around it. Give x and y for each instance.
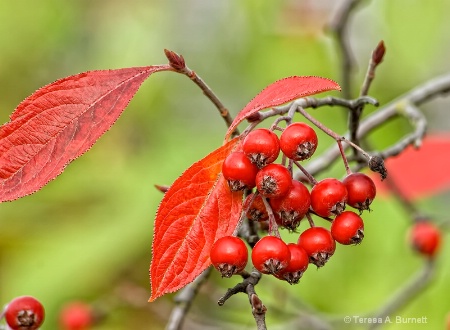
(273, 227)
(344, 157)
(331, 133)
(310, 220)
(308, 175)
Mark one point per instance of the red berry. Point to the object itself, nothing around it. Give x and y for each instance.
(361, 190)
(297, 265)
(273, 181)
(270, 255)
(24, 313)
(348, 228)
(76, 316)
(257, 210)
(261, 146)
(239, 171)
(229, 255)
(292, 207)
(328, 197)
(425, 238)
(298, 141)
(318, 244)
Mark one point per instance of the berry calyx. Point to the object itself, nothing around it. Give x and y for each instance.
(273, 181)
(361, 191)
(425, 238)
(318, 244)
(270, 255)
(298, 141)
(24, 313)
(257, 210)
(239, 171)
(328, 197)
(76, 315)
(297, 265)
(292, 207)
(348, 228)
(261, 146)
(229, 255)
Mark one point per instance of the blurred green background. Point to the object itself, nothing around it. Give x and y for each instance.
(87, 235)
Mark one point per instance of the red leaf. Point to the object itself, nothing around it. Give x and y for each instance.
(197, 209)
(420, 172)
(283, 91)
(59, 122)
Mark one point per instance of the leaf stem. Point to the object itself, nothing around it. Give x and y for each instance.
(308, 175)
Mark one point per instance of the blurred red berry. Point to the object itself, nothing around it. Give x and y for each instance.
(425, 238)
(76, 316)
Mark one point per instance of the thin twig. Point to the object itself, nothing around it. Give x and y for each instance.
(407, 292)
(248, 286)
(339, 28)
(354, 115)
(418, 121)
(420, 94)
(178, 64)
(184, 300)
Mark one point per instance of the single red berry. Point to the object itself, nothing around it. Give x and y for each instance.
(270, 255)
(348, 228)
(261, 146)
(328, 197)
(425, 238)
(361, 191)
(229, 255)
(257, 210)
(76, 315)
(239, 171)
(24, 313)
(292, 207)
(297, 265)
(318, 244)
(298, 141)
(273, 181)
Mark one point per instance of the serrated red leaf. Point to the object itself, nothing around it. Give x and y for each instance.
(420, 172)
(282, 91)
(59, 122)
(197, 209)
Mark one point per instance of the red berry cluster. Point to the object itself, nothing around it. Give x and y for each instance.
(283, 202)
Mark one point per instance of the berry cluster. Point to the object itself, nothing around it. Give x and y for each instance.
(280, 201)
